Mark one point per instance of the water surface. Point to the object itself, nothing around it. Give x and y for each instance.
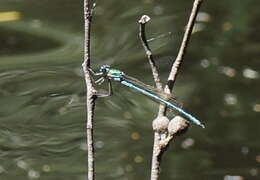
(42, 90)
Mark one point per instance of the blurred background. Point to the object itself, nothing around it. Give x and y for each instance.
(42, 108)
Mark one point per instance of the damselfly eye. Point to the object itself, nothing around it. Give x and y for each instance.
(104, 68)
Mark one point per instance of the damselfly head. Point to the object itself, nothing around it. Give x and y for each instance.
(104, 68)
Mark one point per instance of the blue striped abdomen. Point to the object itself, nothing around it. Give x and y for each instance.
(158, 98)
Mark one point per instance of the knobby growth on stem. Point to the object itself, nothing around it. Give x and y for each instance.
(164, 129)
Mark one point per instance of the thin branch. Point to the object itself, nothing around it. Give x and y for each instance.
(156, 146)
(177, 63)
(142, 22)
(91, 92)
(142, 35)
(155, 168)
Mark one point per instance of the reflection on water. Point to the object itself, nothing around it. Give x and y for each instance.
(10, 16)
(42, 91)
(15, 42)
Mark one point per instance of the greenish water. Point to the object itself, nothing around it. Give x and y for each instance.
(42, 90)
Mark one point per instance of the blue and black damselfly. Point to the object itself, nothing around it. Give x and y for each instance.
(109, 74)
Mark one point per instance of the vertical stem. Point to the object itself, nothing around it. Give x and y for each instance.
(155, 169)
(89, 131)
(91, 92)
(87, 28)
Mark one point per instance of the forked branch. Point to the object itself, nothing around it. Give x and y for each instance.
(165, 130)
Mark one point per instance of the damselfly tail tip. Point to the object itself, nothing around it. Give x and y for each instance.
(202, 125)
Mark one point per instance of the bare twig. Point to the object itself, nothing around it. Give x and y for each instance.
(142, 22)
(91, 92)
(155, 168)
(159, 124)
(142, 35)
(177, 63)
(157, 134)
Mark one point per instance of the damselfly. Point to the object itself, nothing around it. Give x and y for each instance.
(109, 74)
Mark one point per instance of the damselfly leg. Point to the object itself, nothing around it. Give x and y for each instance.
(100, 81)
(108, 93)
(95, 73)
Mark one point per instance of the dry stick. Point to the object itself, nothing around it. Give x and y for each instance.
(183, 48)
(91, 92)
(142, 35)
(156, 148)
(142, 22)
